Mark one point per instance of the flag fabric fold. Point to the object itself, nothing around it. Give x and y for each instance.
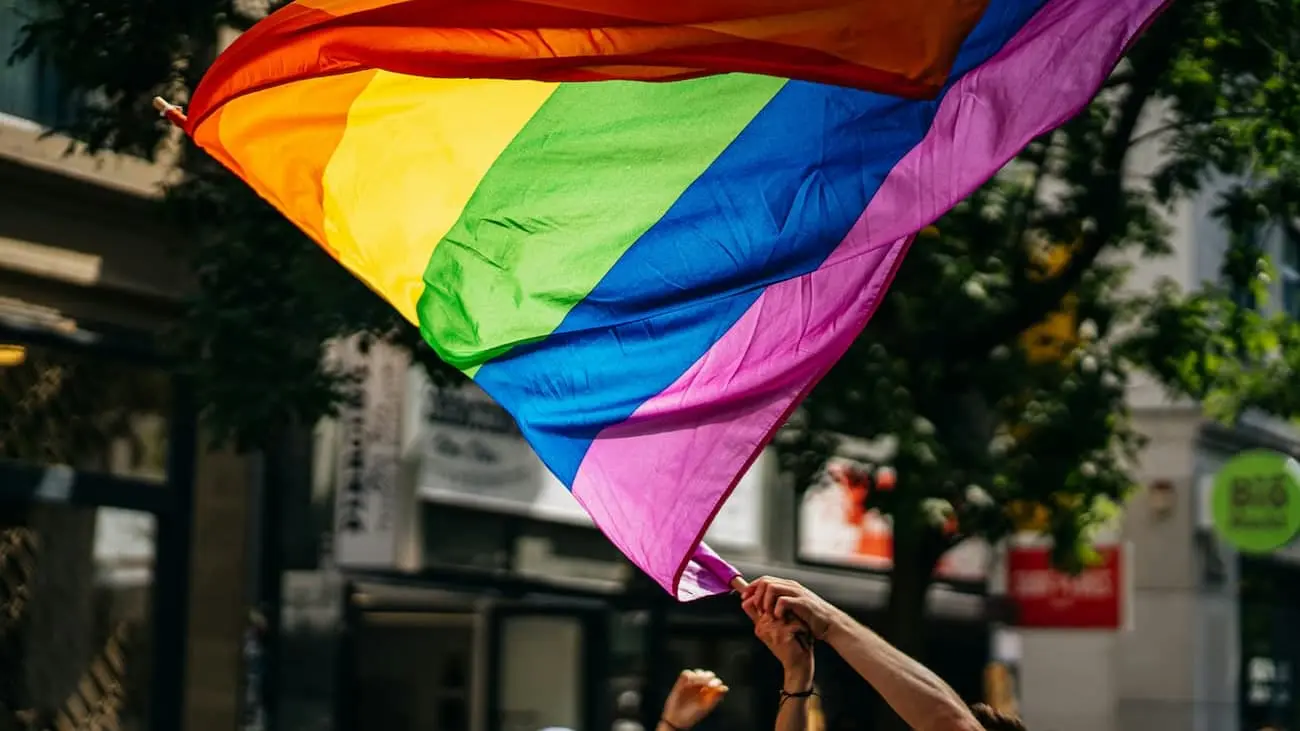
(648, 276)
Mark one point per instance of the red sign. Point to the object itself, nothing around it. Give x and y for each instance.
(1047, 598)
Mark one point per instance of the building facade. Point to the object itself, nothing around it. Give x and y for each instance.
(464, 589)
(122, 562)
(1208, 642)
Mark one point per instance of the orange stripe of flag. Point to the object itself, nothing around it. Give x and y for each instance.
(308, 118)
(912, 40)
(904, 49)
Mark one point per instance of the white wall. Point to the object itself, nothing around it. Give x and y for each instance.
(1143, 677)
(1067, 680)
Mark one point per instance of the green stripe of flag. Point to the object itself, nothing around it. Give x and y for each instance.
(591, 172)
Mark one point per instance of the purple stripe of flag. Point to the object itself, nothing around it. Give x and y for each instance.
(685, 449)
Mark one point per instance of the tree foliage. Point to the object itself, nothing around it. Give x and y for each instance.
(268, 299)
(998, 364)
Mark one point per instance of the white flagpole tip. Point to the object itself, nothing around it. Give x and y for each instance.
(172, 112)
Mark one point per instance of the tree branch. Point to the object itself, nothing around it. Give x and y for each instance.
(1184, 124)
(1037, 158)
(1105, 201)
(237, 18)
(1118, 79)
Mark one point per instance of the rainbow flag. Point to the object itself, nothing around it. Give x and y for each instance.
(648, 276)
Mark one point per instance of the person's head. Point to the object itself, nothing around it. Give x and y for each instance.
(994, 720)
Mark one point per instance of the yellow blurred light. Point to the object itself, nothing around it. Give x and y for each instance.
(1029, 517)
(12, 355)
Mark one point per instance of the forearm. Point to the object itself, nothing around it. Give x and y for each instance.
(917, 695)
(793, 714)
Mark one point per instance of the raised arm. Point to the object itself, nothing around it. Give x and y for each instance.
(916, 694)
(693, 697)
(786, 641)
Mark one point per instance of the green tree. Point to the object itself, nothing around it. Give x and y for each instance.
(999, 361)
(268, 300)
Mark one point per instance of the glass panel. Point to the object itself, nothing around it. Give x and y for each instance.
(628, 643)
(416, 671)
(456, 537)
(627, 661)
(28, 89)
(1291, 277)
(75, 631)
(1270, 644)
(84, 410)
(1242, 296)
(736, 660)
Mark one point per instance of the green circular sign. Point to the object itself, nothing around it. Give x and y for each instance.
(1256, 501)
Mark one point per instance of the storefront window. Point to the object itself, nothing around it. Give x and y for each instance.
(1270, 644)
(628, 652)
(1291, 277)
(83, 410)
(463, 538)
(75, 635)
(415, 670)
(740, 661)
(29, 88)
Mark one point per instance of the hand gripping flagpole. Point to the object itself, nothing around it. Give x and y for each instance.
(171, 112)
(804, 636)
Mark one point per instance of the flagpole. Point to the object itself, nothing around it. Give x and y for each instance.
(173, 113)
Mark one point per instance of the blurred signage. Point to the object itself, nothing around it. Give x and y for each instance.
(1047, 598)
(367, 456)
(836, 529)
(1255, 501)
(468, 451)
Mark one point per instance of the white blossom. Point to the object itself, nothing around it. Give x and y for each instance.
(888, 448)
(1001, 444)
(937, 511)
(1088, 469)
(1088, 330)
(1088, 225)
(1088, 364)
(922, 426)
(974, 290)
(978, 496)
(1110, 380)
